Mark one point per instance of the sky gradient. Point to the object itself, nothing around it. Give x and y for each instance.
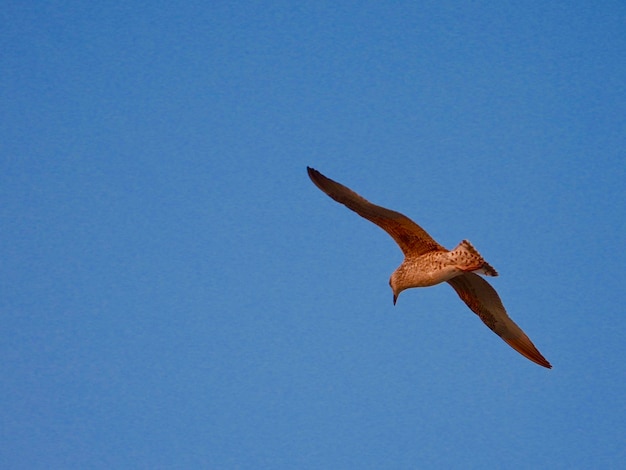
(176, 293)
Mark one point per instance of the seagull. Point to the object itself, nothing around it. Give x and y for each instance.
(427, 263)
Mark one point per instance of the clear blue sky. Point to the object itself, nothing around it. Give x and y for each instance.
(175, 292)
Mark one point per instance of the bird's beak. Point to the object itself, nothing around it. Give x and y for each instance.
(395, 297)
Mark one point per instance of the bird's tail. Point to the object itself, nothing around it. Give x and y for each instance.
(470, 260)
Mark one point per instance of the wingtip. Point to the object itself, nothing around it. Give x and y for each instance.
(314, 175)
(323, 183)
(527, 349)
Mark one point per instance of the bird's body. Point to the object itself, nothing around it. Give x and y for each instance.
(438, 266)
(426, 263)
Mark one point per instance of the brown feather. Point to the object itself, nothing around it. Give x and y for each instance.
(411, 238)
(484, 301)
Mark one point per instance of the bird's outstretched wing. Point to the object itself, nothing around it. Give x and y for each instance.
(411, 238)
(484, 301)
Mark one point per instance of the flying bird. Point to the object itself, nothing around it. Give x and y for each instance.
(427, 263)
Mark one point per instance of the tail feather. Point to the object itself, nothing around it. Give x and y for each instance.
(473, 259)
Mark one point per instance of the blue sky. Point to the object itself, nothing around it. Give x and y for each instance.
(176, 293)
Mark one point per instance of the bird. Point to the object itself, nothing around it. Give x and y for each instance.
(427, 263)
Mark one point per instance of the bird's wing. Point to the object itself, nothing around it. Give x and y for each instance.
(411, 238)
(484, 301)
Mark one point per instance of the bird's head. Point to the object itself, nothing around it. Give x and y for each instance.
(394, 283)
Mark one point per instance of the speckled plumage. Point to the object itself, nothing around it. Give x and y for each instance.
(427, 263)
(438, 266)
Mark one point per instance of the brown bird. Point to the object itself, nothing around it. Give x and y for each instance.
(427, 263)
